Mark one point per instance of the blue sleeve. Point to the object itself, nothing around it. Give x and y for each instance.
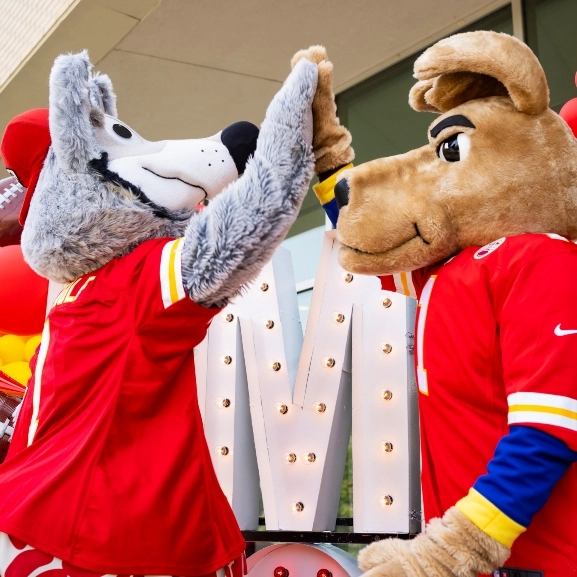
(325, 191)
(332, 211)
(527, 465)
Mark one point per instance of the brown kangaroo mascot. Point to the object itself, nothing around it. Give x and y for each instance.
(478, 226)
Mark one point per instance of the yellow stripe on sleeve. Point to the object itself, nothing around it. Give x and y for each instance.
(171, 272)
(172, 288)
(491, 520)
(325, 190)
(405, 284)
(544, 409)
(541, 409)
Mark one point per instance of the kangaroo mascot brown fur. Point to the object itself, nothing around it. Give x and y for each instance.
(478, 226)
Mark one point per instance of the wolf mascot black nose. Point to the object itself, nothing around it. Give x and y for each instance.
(240, 140)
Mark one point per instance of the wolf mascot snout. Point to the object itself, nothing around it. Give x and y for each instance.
(109, 469)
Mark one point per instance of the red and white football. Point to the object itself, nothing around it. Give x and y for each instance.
(11, 198)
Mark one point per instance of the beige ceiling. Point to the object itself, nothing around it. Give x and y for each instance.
(187, 68)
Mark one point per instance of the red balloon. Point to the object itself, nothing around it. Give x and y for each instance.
(23, 294)
(569, 114)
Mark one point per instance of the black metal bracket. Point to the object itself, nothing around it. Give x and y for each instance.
(320, 536)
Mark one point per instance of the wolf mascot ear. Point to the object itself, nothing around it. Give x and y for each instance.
(77, 99)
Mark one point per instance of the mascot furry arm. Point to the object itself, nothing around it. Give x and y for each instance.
(225, 245)
(487, 174)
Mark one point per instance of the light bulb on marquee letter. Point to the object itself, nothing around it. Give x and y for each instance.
(320, 407)
(281, 408)
(298, 507)
(386, 348)
(223, 403)
(385, 500)
(274, 365)
(329, 362)
(385, 447)
(339, 318)
(290, 457)
(387, 302)
(386, 394)
(226, 359)
(223, 451)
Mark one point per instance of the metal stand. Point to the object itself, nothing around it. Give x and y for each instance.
(320, 536)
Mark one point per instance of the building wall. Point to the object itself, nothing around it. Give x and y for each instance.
(23, 26)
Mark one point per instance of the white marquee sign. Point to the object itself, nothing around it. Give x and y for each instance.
(280, 408)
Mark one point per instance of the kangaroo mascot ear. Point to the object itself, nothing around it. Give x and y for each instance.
(77, 102)
(472, 65)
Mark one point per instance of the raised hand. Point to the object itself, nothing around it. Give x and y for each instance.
(331, 140)
(229, 242)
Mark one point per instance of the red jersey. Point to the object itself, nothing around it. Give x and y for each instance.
(496, 348)
(109, 468)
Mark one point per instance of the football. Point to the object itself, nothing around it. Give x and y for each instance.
(11, 198)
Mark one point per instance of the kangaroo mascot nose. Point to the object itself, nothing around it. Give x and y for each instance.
(240, 140)
(342, 192)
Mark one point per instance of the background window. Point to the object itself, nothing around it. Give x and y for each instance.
(550, 31)
(377, 111)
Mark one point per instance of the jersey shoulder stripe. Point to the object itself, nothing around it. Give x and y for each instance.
(404, 284)
(556, 236)
(543, 408)
(171, 285)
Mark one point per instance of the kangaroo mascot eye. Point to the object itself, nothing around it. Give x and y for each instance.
(454, 148)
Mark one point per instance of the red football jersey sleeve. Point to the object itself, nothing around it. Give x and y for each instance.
(537, 314)
(154, 278)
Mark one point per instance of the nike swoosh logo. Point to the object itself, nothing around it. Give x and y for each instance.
(561, 333)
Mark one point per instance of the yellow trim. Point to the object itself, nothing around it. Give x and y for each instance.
(171, 272)
(325, 190)
(490, 519)
(543, 409)
(405, 284)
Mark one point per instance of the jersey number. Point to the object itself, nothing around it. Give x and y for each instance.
(423, 306)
